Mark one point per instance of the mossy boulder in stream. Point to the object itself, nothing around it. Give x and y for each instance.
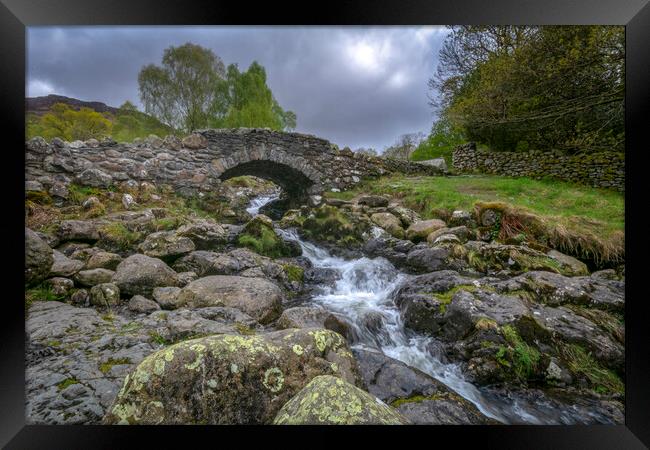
(329, 400)
(258, 235)
(229, 379)
(332, 225)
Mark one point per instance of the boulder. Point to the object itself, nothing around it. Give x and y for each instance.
(229, 379)
(461, 232)
(388, 222)
(166, 245)
(60, 285)
(460, 217)
(312, 317)
(103, 260)
(79, 230)
(206, 234)
(93, 277)
(329, 400)
(128, 201)
(257, 297)
(167, 297)
(573, 266)
(104, 295)
(418, 396)
(64, 266)
(373, 201)
(185, 278)
(140, 274)
(38, 258)
(405, 215)
(140, 304)
(419, 231)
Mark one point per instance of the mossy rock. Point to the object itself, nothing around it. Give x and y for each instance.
(259, 236)
(333, 225)
(329, 400)
(229, 379)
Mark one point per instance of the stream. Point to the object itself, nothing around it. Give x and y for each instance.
(365, 287)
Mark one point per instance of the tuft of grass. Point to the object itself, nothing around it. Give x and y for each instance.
(106, 366)
(123, 237)
(41, 293)
(518, 355)
(267, 243)
(244, 330)
(575, 219)
(67, 382)
(294, 273)
(77, 193)
(581, 362)
(158, 339)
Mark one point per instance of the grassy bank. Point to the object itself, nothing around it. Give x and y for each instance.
(581, 220)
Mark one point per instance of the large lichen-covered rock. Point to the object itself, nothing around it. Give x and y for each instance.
(329, 400)
(64, 266)
(257, 297)
(38, 258)
(572, 266)
(229, 379)
(419, 231)
(140, 274)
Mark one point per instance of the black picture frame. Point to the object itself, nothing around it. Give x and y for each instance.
(16, 15)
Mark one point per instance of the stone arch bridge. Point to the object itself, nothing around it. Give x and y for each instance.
(301, 164)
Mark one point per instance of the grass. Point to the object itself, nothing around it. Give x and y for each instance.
(116, 232)
(158, 339)
(42, 293)
(518, 355)
(576, 219)
(67, 382)
(424, 153)
(106, 366)
(294, 273)
(582, 363)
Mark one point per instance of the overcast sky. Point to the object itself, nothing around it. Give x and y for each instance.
(355, 86)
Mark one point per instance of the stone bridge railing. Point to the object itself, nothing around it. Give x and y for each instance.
(297, 162)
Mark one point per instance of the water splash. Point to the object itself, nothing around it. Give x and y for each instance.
(257, 202)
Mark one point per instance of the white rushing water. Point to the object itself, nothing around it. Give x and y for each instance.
(257, 202)
(363, 294)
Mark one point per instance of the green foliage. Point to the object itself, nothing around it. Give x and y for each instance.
(158, 339)
(518, 354)
(440, 143)
(69, 124)
(181, 91)
(581, 363)
(243, 99)
(41, 293)
(265, 242)
(517, 88)
(294, 273)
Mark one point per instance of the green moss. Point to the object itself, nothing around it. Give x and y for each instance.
(43, 293)
(331, 224)
(118, 234)
(105, 367)
(294, 273)
(67, 382)
(263, 240)
(445, 297)
(166, 223)
(77, 193)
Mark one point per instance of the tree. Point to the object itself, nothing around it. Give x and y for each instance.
(66, 123)
(181, 92)
(404, 147)
(127, 106)
(366, 151)
(243, 99)
(549, 87)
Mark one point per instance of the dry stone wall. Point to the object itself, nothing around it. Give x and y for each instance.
(605, 169)
(297, 162)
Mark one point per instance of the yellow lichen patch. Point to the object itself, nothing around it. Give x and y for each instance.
(199, 350)
(297, 349)
(273, 379)
(126, 413)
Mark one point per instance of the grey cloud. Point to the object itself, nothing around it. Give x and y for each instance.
(355, 86)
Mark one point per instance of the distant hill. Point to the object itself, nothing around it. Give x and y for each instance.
(126, 125)
(42, 105)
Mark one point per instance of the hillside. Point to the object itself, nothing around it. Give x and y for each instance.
(124, 125)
